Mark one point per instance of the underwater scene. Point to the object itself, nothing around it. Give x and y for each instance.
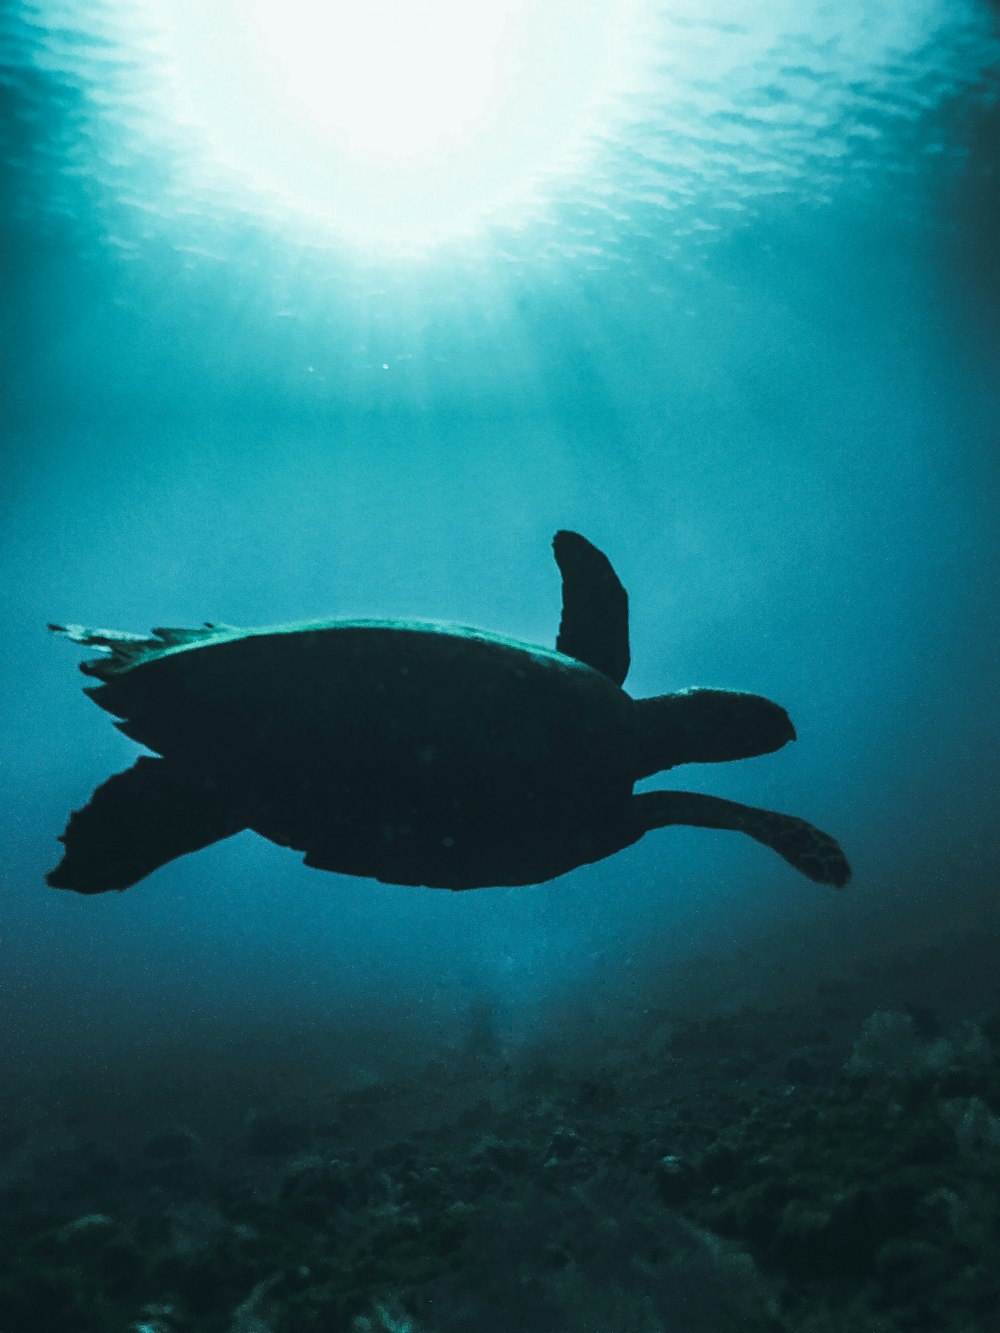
(520, 480)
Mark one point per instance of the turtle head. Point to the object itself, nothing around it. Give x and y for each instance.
(707, 727)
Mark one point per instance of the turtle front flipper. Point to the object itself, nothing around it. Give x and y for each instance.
(808, 849)
(594, 625)
(136, 822)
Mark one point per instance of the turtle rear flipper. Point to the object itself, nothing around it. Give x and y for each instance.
(594, 625)
(136, 822)
(807, 848)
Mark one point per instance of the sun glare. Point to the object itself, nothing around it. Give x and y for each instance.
(400, 120)
(388, 81)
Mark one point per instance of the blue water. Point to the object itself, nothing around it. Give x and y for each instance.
(745, 340)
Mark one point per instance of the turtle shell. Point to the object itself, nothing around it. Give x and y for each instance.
(412, 752)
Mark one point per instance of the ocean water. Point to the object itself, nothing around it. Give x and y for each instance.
(717, 286)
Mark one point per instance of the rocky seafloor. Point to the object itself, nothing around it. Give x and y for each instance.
(809, 1167)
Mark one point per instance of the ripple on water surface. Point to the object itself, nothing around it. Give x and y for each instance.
(701, 117)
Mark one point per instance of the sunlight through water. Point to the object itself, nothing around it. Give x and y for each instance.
(388, 120)
(583, 130)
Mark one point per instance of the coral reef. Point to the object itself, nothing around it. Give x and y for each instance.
(778, 1171)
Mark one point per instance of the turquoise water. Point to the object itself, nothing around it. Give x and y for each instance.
(736, 321)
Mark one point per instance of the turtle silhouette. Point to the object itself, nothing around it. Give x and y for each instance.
(413, 752)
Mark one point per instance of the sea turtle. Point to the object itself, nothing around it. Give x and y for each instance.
(412, 752)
